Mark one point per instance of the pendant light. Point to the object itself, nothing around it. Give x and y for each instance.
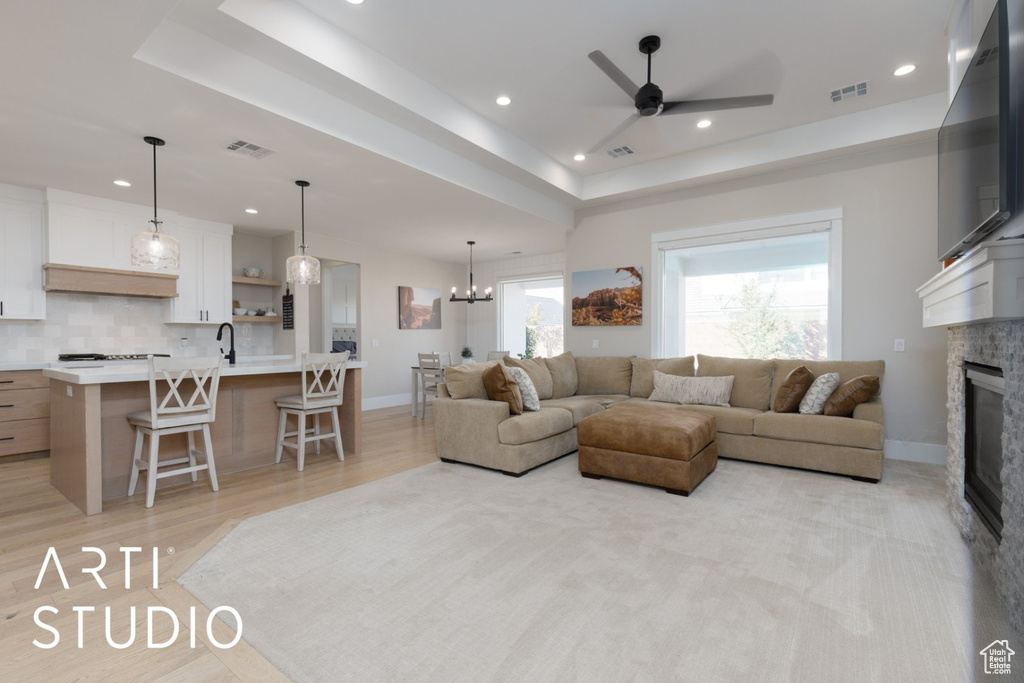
(152, 248)
(302, 269)
(471, 296)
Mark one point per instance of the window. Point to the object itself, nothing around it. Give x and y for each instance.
(531, 317)
(753, 290)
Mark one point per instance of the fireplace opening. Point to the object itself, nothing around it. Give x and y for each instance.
(983, 448)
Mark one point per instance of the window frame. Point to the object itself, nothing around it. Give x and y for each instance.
(522, 275)
(825, 220)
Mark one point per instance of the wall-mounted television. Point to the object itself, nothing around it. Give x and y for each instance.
(977, 146)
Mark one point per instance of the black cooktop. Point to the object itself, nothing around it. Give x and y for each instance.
(100, 356)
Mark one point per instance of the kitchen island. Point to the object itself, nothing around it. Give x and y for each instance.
(91, 442)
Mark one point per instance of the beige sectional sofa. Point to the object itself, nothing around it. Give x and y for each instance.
(474, 430)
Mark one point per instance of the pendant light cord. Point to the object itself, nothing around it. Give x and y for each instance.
(156, 223)
(303, 205)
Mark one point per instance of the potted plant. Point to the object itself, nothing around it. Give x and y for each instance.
(467, 355)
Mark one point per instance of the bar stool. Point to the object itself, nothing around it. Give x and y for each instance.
(174, 414)
(323, 390)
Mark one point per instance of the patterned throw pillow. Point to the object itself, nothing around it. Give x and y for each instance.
(813, 402)
(526, 389)
(707, 391)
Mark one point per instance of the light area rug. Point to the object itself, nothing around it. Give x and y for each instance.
(454, 573)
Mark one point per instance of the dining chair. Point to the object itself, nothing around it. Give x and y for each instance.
(323, 390)
(496, 355)
(172, 413)
(432, 367)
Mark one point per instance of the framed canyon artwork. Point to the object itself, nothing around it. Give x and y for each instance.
(419, 308)
(608, 297)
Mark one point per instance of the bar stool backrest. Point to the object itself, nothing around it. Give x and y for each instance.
(191, 389)
(323, 378)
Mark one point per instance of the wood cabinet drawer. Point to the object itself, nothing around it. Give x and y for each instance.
(24, 436)
(24, 404)
(23, 379)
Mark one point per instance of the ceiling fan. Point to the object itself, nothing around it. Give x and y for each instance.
(649, 100)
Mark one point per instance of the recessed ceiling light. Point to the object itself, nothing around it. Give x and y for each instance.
(580, 157)
(122, 183)
(251, 211)
(904, 70)
(355, 2)
(504, 100)
(703, 123)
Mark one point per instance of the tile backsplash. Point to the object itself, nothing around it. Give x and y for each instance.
(85, 323)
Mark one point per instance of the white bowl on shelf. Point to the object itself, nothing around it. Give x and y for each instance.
(240, 311)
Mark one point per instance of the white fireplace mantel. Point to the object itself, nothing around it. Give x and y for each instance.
(986, 285)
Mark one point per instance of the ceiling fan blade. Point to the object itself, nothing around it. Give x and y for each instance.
(694, 106)
(615, 73)
(633, 118)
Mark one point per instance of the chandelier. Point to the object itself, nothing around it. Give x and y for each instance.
(471, 296)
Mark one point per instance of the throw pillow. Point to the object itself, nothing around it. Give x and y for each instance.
(526, 389)
(538, 371)
(793, 389)
(501, 387)
(642, 383)
(813, 402)
(466, 381)
(564, 380)
(847, 397)
(706, 391)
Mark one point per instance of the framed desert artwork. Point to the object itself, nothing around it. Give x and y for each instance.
(419, 308)
(608, 297)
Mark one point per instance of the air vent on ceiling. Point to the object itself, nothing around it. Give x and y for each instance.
(619, 152)
(848, 92)
(249, 149)
(986, 55)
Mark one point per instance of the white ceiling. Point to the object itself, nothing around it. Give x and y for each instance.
(388, 108)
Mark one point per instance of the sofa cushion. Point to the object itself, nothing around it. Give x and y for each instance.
(538, 371)
(467, 381)
(564, 380)
(753, 385)
(641, 384)
(580, 407)
(501, 386)
(530, 427)
(730, 420)
(527, 391)
(791, 391)
(604, 400)
(813, 402)
(834, 431)
(849, 395)
(709, 391)
(604, 374)
(847, 369)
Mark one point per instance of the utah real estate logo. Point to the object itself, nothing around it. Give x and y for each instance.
(997, 657)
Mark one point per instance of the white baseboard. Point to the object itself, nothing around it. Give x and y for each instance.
(387, 401)
(929, 453)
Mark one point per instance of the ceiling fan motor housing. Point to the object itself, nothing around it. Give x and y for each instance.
(649, 100)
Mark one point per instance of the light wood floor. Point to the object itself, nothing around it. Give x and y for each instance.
(34, 516)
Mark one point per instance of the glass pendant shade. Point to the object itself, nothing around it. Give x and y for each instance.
(152, 248)
(302, 269)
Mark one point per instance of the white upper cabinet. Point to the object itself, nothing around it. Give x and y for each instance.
(97, 232)
(204, 280)
(22, 242)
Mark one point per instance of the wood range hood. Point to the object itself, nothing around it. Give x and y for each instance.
(85, 280)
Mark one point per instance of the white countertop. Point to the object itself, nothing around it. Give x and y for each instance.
(139, 371)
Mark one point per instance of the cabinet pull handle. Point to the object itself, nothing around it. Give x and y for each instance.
(6, 381)
(6, 438)
(7, 405)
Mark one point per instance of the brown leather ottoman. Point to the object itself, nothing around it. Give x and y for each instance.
(673, 449)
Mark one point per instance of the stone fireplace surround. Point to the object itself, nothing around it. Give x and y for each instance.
(999, 344)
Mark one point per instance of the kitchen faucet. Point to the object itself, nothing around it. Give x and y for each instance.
(220, 335)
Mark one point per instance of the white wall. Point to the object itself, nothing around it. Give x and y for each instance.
(889, 244)
(386, 380)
